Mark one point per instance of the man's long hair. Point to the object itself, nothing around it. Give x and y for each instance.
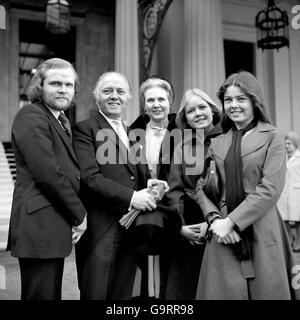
(35, 89)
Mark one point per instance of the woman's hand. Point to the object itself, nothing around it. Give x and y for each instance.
(222, 228)
(233, 237)
(200, 228)
(153, 182)
(194, 233)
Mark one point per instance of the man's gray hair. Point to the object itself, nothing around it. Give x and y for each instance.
(99, 83)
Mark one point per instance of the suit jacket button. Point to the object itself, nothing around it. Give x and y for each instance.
(132, 178)
(78, 177)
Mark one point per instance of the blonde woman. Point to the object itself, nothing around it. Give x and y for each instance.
(199, 120)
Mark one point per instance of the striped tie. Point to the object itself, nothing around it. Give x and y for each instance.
(65, 124)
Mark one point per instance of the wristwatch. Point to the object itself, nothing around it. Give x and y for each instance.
(212, 217)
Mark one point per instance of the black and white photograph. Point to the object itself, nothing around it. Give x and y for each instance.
(149, 152)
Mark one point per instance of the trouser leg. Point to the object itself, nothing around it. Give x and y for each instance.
(41, 279)
(296, 245)
(289, 231)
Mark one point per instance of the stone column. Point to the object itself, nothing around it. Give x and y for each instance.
(126, 51)
(204, 53)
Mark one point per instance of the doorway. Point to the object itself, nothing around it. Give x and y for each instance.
(37, 45)
(239, 55)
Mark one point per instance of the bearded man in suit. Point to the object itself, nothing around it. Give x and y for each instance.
(112, 184)
(47, 214)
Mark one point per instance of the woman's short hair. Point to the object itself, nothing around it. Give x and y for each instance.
(156, 82)
(251, 87)
(101, 79)
(35, 89)
(188, 95)
(294, 138)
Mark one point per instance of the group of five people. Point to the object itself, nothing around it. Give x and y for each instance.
(74, 187)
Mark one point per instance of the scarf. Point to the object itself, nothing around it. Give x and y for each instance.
(235, 193)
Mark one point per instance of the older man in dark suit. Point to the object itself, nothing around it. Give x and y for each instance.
(46, 211)
(113, 182)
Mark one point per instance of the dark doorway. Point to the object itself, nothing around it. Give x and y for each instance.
(239, 56)
(36, 46)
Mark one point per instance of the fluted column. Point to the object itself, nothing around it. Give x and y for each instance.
(126, 51)
(204, 53)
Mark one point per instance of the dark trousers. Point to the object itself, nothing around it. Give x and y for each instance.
(41, 279)
(296, 246)
(293, 230)
(106, 270)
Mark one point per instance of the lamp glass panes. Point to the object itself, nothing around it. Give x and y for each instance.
(58, 16)
(272, 27)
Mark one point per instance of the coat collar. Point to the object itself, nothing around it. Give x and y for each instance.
(142, 120)
(60, 131)
(140, 124)
(138, 129)
(251, 142)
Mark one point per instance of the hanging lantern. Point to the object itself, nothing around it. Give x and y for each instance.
(58, 16)
(272, 27)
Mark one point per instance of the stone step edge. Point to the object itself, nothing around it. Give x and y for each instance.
(3, 246)
(4, 216)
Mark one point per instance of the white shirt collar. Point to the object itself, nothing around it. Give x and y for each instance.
(118, 128)
(111, 121)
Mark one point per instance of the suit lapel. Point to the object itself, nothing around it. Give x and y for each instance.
(221, 145)
(256, 138)
(61, 132)
(137, 152)
(103, 124)
(122, 150)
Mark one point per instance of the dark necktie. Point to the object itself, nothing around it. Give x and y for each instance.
(65, 124)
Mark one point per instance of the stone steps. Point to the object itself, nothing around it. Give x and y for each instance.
(4, 225)
(7, 176)
(3, 245)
